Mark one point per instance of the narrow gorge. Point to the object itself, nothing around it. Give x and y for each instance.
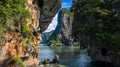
(59, 33)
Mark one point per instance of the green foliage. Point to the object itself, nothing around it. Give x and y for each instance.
(2, 29)
(12, 12)
(76, 43)
(25, 30)
(1, 41)
(65, 10)
(25, 45)
(14, 16)
(100, 20)
(60, 1)
(17, 59)
(62, 65)
(55, 42)
(30, 37)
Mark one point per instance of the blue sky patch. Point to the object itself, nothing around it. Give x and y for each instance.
(66, 4)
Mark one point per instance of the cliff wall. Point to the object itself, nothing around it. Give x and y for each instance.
(95, 27)
(20, 30)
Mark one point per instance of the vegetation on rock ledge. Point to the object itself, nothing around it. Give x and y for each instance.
(12, 14)
(66, 11)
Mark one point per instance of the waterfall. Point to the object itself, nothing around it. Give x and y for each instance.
(53, 29)
(53, 24)
(49, 31)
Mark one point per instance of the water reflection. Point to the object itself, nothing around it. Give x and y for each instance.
(45, 52)
(69, 56)
(73, 57)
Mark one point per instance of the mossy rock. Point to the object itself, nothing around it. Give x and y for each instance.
(19, 61)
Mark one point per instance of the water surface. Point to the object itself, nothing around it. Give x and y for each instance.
(69, 56)
(73, 56)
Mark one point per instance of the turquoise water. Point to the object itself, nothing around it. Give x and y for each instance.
(45, 52)
(73, 56)
(69, 56)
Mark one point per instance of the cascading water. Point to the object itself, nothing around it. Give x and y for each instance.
(53, 24)
(53, 29)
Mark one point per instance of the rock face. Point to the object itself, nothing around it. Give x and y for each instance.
(66, 29)
(93, 29)
(48, 10)
(20, 42)
(103, 55)
(18, 45)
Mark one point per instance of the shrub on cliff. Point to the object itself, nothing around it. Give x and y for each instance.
(12, 14)
(19, 61)
(66, 11)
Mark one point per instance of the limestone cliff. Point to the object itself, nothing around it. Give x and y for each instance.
(21, 43)
(20, 25)
(95, 27)
(66, 29)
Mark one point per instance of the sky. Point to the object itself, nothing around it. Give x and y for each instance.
(65, 4)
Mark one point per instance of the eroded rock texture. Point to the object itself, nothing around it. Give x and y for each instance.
(17, 44)
(66, 29)
(21, 39)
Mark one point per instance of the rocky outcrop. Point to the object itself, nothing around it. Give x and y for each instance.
(92, 26)
(48, 10)
(103, 55)
(66, 30)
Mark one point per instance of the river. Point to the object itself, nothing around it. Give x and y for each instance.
(69, 56)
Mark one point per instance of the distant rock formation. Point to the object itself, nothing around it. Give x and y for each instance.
(63, 29)
(66, 30)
